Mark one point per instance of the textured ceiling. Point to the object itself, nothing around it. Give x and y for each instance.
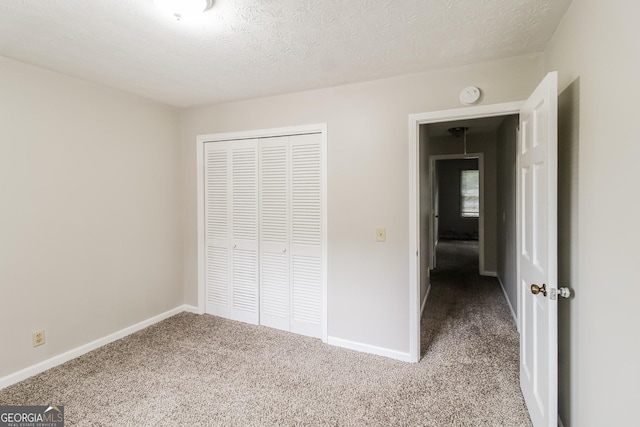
(249, 48)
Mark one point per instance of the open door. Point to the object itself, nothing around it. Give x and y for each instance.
(435, 204)
(537, 252)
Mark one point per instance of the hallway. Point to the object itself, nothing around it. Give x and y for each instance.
(467, 326)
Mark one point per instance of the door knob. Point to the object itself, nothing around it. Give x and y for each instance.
(564, 292)
(535, 289)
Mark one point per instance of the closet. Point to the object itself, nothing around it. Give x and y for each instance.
(263, 225)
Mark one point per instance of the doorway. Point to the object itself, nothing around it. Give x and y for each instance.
(536, 285)
(457, 202)
(420, 209)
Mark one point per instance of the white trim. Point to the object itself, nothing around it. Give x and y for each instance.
(432, 162)
(264, 133)
(320, 128)
(424, 301)
(476, 112)
(371, 349)
(489, 273)
(414, 239)
(518, 225)
(506, 297)
(415, 120)
(325, 233)
(86, 348)
(200, 237)
(560, 424)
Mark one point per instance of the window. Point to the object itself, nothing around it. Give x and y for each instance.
(470, 193)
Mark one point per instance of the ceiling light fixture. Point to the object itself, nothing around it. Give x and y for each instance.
(459, 131)
(184, 8)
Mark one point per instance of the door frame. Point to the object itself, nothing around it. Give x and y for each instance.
(201, 140)
(433, 240)
(415, 120)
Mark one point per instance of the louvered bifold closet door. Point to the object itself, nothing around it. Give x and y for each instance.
(244, 231)
(274, 233)
(217, 187)
(231, 224)
(306, 234)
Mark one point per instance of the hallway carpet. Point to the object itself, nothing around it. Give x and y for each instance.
(207, 371)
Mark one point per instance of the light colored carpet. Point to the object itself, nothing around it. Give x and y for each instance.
(208, 371)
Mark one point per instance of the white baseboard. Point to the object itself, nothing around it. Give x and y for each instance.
(506, 297)
(371, 349)
(83, 349)
(424, 301)
(489, 273)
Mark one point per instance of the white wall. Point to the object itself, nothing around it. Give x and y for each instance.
(506, 140)
(368, 180)
(90, 219)
(597, 42)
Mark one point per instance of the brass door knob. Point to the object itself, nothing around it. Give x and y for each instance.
(535, 289)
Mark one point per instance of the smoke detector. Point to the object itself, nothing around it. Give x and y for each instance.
(470, 95)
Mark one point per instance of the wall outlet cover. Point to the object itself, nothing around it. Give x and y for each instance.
(38, 338)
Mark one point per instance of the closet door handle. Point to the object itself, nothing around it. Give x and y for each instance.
(284, 251)
(235, 246)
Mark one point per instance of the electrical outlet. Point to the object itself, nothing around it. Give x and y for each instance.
(38, 338)
(381, 234)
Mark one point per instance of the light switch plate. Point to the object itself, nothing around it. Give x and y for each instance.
(381, 234)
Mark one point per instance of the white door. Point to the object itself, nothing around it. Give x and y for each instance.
(537, 252)
(435, 202)
(217, 229)
(306, 234)
(263, 224)
(244, 231)
(274, 233)
(231, 230)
